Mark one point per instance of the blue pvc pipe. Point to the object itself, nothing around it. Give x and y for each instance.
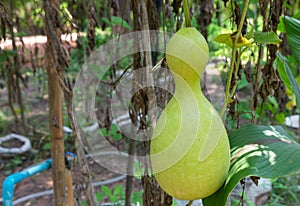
(9, 182)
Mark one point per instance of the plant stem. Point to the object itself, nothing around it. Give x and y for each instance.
(236, 72)
(186, 11)
(233, 57)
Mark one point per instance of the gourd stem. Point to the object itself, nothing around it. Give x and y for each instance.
(186, 11)
(228, 94)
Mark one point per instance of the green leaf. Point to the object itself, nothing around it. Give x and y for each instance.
(99, 196)
(21, 34)
(292, 27)
(292, 80)
(243, 82)
(224, 38)
(136, 197)
(10, 52)
(106, 20)
(113, 132)
(115, 20)
(282, 73)
(264, 151)
(118, 191)
(117, 136)
(3, 57)
(106, 190)
(228, 39)
(113, 129)
(270, 105)
(250, 34)
(47, 146)
(104, 132)
(280, 117)
(17, 161)
(6, 54)
(281, 27)
(266, 38)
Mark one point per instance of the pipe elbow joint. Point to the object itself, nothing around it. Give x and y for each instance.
(8, 188)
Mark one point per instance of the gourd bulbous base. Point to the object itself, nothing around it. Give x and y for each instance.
(190, 149)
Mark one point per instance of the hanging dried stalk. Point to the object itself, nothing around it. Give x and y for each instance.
(176, 6)
(131, 148)
(10, 81)
(270, 76)
(271, 12)
(84, 183)
(130, 167)
(17, 74)
(14, 76)
(205, 14)
(92, 25)
(4, 20)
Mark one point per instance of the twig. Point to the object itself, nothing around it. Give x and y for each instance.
(158, 64)
(119, 78)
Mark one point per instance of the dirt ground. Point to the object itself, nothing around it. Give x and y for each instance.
(37, 183)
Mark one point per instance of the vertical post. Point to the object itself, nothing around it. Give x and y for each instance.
(56, 133)
(54, 67)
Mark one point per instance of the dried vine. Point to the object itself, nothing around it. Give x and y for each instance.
(9, 20)
(271, 84)
(92, 25)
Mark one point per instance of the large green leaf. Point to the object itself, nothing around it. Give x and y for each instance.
(292, 27)
(264, 151)
(292, 80)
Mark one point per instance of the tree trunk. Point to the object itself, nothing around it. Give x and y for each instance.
(55, 71)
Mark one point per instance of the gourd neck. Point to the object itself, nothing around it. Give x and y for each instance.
(187, 84)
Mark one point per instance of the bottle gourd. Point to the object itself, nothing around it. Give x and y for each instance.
(189, 152)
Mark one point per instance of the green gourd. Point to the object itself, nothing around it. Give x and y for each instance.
(189, 152)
